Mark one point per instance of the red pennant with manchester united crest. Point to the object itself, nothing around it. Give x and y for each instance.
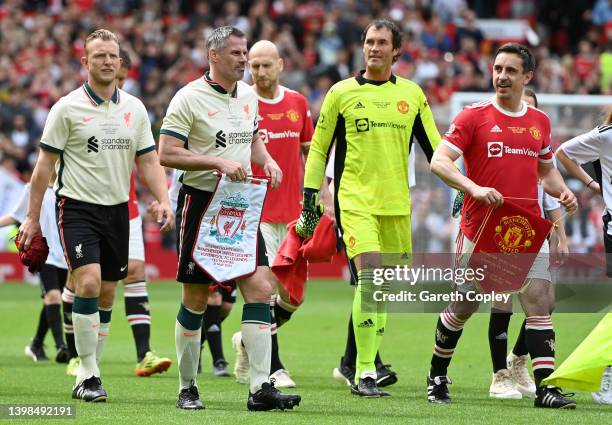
(507, 246)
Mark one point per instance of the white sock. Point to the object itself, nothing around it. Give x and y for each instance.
(187, 352)
(86, 328)
(257, 340)
(102, 336)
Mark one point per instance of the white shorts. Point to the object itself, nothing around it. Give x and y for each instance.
(539, 269)
(136, 251)
(274, 234)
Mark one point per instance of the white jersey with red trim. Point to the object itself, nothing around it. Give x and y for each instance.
(501, 149)
(97, 142)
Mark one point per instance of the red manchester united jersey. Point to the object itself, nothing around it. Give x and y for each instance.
(284, 124)
(133, 202)
(501, 149)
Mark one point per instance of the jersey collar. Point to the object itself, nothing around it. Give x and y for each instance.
(275, 100)
(217, 87)
(97, 100)
(362, 80)
(516, 114)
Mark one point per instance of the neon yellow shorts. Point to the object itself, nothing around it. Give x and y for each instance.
(363, 232)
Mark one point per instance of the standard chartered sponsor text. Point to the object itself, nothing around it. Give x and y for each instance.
(115, 144)
(239, 137)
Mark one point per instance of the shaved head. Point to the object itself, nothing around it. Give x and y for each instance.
(264, 48)
(265, 66)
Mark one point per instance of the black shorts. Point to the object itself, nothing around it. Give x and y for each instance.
(95, 234)
(52, 277)
(608, 244)
(191, 206)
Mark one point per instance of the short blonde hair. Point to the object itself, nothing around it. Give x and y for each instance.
(101, 34)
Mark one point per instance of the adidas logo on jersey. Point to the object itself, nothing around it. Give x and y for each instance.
(366, 324)
(359, 105)
(496, 129)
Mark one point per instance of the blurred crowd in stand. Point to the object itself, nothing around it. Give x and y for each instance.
(445, 50)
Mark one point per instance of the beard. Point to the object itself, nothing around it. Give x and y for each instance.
(103, 78)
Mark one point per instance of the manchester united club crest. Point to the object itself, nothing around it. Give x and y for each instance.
(513, 234)
(293, 115)
(535, 133)
(403, 107)
(229, 224)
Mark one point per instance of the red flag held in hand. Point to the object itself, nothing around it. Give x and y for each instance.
(35, 257)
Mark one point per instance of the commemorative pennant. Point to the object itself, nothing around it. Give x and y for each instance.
(226, 245)
(507, 246)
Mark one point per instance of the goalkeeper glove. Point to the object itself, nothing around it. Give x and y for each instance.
(458, 204)
(309, 218)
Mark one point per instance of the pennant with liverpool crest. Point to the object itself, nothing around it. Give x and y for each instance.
(226, 245)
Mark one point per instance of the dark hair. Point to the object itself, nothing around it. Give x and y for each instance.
(396, 33)
(125, 57)
(217, 39)
(521, 51)
(530, 93)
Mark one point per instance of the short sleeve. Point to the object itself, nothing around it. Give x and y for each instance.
(179, 119)
(256, 118)
(57, 128)
(585, 147)
(459, 134)
(546, 154)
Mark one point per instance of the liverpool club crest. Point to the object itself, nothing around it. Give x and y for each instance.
(228, 225)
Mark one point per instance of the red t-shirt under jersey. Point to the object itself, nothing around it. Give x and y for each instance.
(501, 149)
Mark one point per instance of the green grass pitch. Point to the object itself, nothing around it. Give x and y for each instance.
(311, 345)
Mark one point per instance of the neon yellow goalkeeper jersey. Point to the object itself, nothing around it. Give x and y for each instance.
(372, 124)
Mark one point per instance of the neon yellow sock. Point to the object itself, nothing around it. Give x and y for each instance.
(365, 318)
(381, 322)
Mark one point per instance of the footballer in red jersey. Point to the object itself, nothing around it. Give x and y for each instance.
(285, 126)
(506, 148)
(495, 142)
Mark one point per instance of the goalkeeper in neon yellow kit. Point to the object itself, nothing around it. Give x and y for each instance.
(372, 119)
